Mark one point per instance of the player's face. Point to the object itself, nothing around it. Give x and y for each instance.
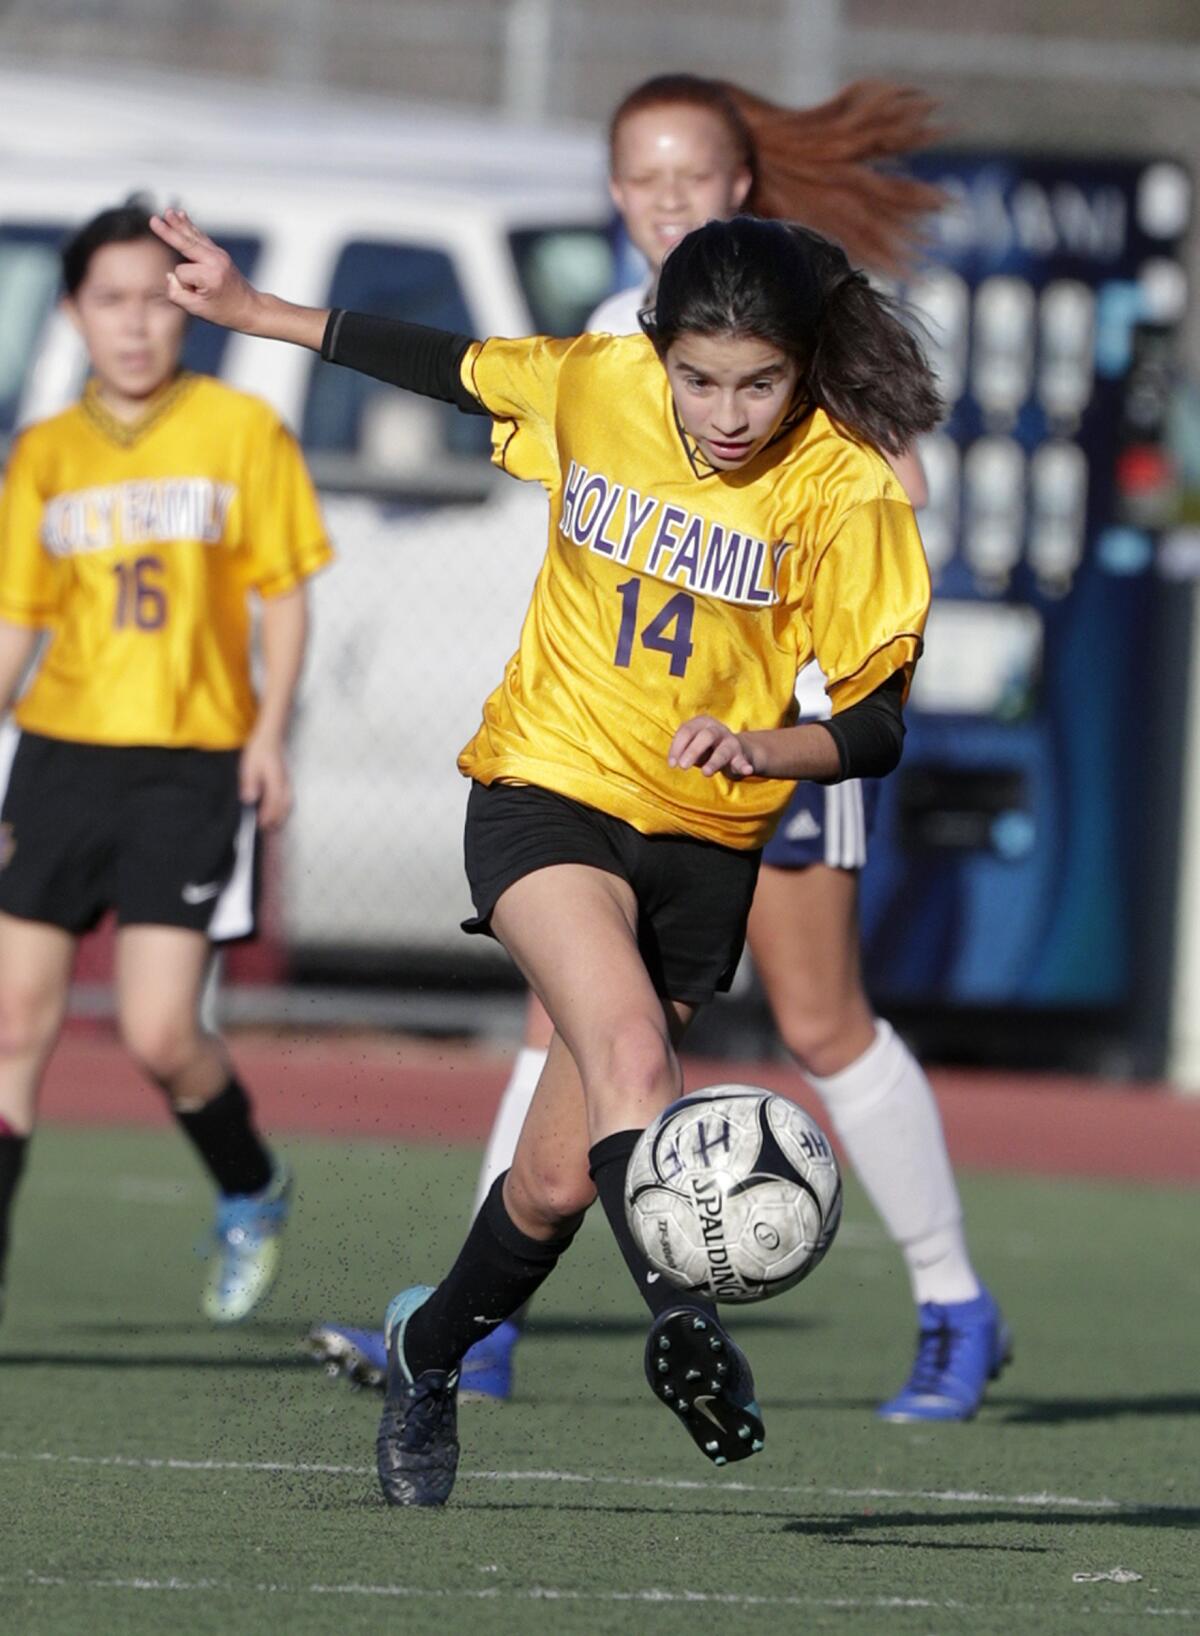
(132, 332)
(674, 168)
(731, 393)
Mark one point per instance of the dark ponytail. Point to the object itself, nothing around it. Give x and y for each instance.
(792, 288)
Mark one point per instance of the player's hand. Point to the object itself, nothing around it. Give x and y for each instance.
(708, 745)
(205, 283)
(265, 781)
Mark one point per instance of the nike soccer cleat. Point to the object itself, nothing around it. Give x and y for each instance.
(248, 1232)
(693, 1365)
(416, 1450)
(960, 1348)
(487, 1368)
(360, 1355)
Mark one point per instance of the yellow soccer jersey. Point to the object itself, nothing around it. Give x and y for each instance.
(136, 545)
(670, 591)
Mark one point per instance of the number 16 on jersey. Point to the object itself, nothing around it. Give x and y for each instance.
(141, 598)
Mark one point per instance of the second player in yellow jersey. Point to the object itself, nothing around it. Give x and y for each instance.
(137, 544)
(135, 529)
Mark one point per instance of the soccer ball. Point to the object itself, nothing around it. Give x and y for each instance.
(733, 1193)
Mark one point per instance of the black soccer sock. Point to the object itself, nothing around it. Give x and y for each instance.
(497, 1271)
(608, 1162)
(223, 1134)
(12, 1161)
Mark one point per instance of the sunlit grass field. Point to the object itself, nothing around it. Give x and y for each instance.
(156, 1475)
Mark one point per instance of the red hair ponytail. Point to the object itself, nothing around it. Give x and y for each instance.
(819, 166)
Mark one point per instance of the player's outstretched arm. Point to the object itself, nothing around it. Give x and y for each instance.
(208, 285)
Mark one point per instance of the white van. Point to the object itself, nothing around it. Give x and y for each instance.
(468, 225)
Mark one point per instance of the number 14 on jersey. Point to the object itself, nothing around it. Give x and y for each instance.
(670, 630)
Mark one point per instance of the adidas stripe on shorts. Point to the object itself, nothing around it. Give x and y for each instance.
(825, 823)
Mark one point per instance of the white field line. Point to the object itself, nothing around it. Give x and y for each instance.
(936, 1496)
(546, 1593)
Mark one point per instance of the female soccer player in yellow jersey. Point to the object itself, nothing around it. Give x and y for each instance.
(719, 513)
(134, 527)
(684, 150)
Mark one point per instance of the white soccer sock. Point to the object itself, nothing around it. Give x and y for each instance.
(885, 1115)
(510, 1116)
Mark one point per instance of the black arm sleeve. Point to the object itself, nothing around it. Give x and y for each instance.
(870, 734)
(413, 356)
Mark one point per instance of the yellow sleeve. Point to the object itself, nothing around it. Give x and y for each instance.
(517, 383)
(283, 525)
(869, 599)
(30, 577)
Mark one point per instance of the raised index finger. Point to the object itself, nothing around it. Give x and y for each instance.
(176, 228)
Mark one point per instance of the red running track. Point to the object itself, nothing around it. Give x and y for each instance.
(397, 1088)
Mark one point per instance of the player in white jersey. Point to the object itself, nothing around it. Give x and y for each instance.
(684, 150)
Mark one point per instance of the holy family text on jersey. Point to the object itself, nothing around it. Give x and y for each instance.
(674, 544)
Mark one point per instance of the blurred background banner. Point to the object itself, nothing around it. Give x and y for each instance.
(1036, 881)
(1025, 833)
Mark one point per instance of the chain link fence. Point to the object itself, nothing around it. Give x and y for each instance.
(412, 629)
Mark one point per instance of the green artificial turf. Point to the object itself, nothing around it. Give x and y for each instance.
(155, 1475)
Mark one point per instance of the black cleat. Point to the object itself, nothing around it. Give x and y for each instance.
(416, 1450)
(698, 1371)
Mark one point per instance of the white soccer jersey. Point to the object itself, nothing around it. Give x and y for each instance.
(618, 315)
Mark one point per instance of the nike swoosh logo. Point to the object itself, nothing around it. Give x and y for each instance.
(702, 1403)
(200, 894)
(653, 1277)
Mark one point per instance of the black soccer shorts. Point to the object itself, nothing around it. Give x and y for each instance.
(693, 896)
(159, 835)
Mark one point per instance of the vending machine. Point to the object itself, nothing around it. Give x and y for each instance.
(1023, 847)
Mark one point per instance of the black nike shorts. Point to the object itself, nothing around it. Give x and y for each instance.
(693, 896)
(159, 835)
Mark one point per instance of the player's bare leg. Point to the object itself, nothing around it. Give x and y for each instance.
(547, 1188)
(35, 974)
(487, 1370)
(572, 930)
(804, 938)
(515, 1097)
(161, 973)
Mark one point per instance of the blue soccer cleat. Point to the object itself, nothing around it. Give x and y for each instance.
(248, 1232)
(960, 1348)
(487, 1369)
(416, 1450)
(359, 1355)
(695, 1368)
